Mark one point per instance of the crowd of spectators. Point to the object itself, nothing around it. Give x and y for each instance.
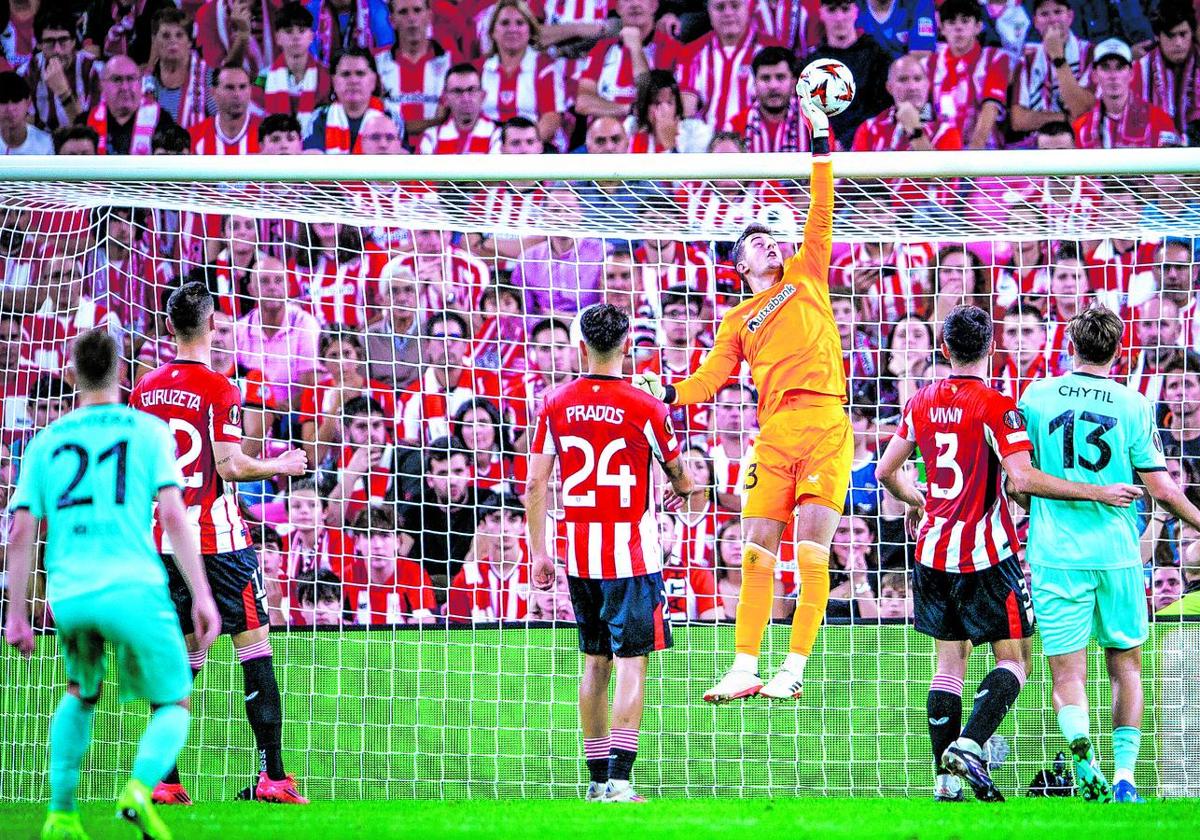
(410, 362)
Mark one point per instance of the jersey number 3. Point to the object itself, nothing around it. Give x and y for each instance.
(947, 459)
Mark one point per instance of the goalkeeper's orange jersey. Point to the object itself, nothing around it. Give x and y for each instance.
(787, 332)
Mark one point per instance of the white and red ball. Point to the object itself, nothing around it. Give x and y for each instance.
(831, 84)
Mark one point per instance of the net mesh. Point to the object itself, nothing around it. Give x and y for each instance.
(405, 335)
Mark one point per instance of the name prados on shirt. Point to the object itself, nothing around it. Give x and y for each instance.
(595, 414)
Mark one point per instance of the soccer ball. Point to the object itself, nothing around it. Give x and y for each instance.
(831, 84)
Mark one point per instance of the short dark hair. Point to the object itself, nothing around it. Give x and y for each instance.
(361, 406)
(1054, 128)
(95, 358)
(188, 307)
(729, 137)
(1020, 308)
(1186, 361)
(494, 502)
(170, 16)
(770, 56)
(75, 132)
(443, 449)
(515, 122)
(47, 387)
(373, 519)
(49, 17)
(13, 87)
(462, 69)
(339, 336)
(323, 586)
(215, 73)
(967, 332)
(278, 124)
(447, 318)
(955, 9)
(293, 16)
(739, 247)
(354, 52)
(685, 295)
(549, 324)
(172, 138)
(1096, 333)
(1171, 13)
(604, 328)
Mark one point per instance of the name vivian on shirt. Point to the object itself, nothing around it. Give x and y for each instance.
(171, 396)
(595, 414)
(941, 414)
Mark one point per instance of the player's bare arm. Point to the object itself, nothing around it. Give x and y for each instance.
(684, 495)
(17, 630)
(537, 484)
(173, 517)
(235, 465)
(898, 481)
(1163, 489)
(1023, 480)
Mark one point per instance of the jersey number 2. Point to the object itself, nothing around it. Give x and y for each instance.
(119, 450)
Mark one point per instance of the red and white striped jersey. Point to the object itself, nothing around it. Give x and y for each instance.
(605, 433)
(535, 88)
(883, 133)
(962, 84)
(129, 289)
(900, 278)
(502, 204)
(1174, 89)
(446, 139)
(694, 541)
(202, 408)
(500, 345)
(784, 22)
(524, 398)
(727, 467)
(313, 397)
(1037, 80)
(964, 430)
(692, 419)
(406, 597)
(337, 290)
(426, 406)
(686, 265)
(691, 590)
(1143, 375)
(1012, 382)
(720, 77)
(461, 278)
(611, 68)
(487, 591)
(366, 489)
(208, 139)
(577, 11)
(733, 206)
(46, 343)
(414, 88)
(1140, 125)
(1114, 271)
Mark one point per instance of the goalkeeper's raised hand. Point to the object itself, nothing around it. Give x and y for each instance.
(818, 120)
(652, 384)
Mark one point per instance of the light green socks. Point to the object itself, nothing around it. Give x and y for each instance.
(70, 734)
(1073, 722)
(1127, 742)
(164, 737)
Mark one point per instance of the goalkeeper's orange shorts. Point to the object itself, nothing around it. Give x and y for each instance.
(803, 453)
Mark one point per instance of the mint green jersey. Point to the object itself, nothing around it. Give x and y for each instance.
(1093, 430)
(94, 475)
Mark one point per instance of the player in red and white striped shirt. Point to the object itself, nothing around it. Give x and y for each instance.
(203, 410)
(717, 79)
(606, 434)
(234, 128)
(968, 582)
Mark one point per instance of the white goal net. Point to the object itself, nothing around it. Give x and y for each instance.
(402, 320)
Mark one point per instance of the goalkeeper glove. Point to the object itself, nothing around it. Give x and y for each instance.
(653, 385)
(818, 120)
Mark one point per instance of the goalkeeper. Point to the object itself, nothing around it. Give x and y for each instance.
(787, 333)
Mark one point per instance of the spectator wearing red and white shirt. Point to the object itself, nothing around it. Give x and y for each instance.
(970, 81)
(449, 278)
(1157, 339)
(682, 324)
(551, 362)
(16, 375)
(735, 423)
(784, 22)
(63, 313)
(608, 84)
(335, 129)
(466, 130)
(514, 203)
(225, 33)
(518, 80)
(772, 122)
(335, 268)
(65, 79)
(179, 80)
(484, 435)
(690, 586)
(890, 279)
(1177, 279)
(446, 382)
(122, 274)
(413, 70)
(387, 587)
(280, 134)
(717, 79)
(311, 546)
(1054, 76)
(1121, 269)
(1070, 294)
(365, 462)
(234, 129)
(1121, 118)
(123, 120)
(1169, 75)
(493, 583)
(1024, 338)
(295, 83)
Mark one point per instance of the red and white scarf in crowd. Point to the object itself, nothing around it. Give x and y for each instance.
(326, 21)
(278, 90)
(144, 122)
(193, 101)
(1170, 88)
(116, 42)
(258, 51)
(758, 137)
(337, 127)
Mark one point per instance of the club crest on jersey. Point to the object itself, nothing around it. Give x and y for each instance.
(1014, 420)
(774, 303)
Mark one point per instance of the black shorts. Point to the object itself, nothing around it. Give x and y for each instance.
(236, 580)
(625, 616)
(980, 607)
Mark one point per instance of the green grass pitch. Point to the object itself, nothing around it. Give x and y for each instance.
(1036, 819)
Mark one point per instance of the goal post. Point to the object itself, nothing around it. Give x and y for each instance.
(401, 319)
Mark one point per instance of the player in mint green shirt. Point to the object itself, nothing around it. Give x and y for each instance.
(93, 476)
(1087, 567)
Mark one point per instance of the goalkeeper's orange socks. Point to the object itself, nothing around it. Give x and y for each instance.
(754, 605)
(812, 567)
